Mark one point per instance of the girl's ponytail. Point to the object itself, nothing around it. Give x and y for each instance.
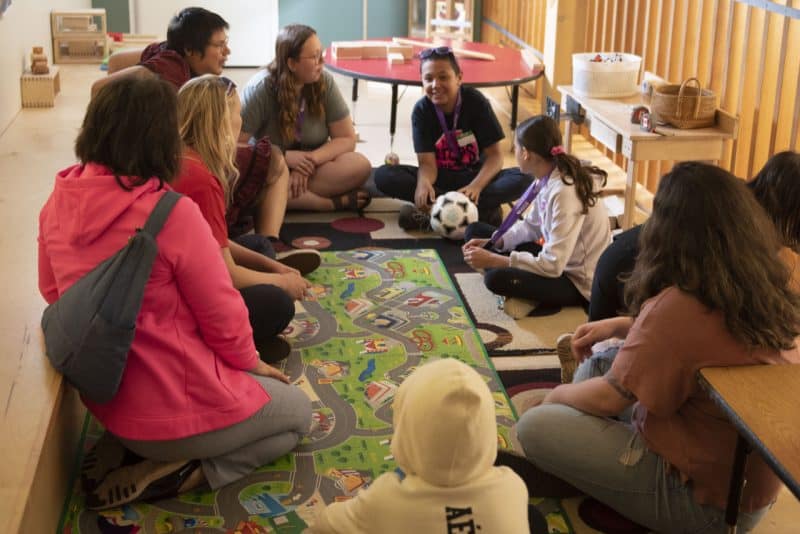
(542, 136)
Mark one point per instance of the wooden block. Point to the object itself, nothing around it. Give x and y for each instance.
(40, 90)
(346, 50)
(407, 51)
(374, 51)
(395, 58)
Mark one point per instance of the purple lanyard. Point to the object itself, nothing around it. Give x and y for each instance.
(450, 134)
(519, 208)
(298, 125)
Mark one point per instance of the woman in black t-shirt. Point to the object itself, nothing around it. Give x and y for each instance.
(456, 138)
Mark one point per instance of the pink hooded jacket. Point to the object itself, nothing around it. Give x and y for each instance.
(186, 371)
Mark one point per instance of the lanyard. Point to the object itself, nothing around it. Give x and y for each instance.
(519, 208)
(298, 125)
(450, 133)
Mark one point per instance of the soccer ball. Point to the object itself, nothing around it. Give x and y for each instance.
(452, 213)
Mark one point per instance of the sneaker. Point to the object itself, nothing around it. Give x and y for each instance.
(413, 218)
(565, 356)
(518, 308)
(143, 481)
(305, 260)
(274, 349)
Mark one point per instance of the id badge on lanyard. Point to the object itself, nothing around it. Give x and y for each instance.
(450, 133)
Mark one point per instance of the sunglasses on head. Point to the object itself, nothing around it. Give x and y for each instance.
(230, 85)
(438, 51)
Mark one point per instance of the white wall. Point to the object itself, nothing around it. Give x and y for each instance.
(253, 25)
(24, 25)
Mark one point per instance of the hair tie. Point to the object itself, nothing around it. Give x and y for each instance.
(556, 150)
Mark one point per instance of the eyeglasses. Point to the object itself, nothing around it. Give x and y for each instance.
(318, 58)
(230, 85)
(439, 51)
(220, 44)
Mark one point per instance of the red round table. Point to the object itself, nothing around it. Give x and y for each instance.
(508, 68)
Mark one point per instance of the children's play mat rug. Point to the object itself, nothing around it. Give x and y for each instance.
(373, 317)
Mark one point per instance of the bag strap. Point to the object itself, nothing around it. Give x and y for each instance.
(160, 213)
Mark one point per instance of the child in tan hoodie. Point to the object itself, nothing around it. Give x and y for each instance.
(445, 442)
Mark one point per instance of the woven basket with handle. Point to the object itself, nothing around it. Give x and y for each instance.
(684, 106)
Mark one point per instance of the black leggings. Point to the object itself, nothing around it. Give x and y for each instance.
(608, 291)
(519, 283)
(270, 307)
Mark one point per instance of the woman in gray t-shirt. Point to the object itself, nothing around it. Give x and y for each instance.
(298, 105)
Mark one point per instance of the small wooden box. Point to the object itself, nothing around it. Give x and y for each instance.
(40, 90)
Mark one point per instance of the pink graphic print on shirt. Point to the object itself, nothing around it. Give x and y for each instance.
(446, 159)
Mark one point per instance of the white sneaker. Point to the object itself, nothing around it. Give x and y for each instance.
(518, 308)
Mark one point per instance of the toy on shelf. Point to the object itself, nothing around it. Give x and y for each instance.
(450, 18)
(79, 36)
(39, 61)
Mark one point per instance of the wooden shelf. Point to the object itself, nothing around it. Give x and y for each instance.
(79, 36)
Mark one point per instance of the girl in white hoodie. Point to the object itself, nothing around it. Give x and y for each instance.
(548, 258)
(445, 442)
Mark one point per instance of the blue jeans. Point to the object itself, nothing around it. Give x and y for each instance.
(608, 460)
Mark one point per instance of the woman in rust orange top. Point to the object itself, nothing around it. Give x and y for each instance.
(708, 289)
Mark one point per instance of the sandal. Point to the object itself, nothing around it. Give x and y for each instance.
(144, 481)
(106, 455)
(354, 200)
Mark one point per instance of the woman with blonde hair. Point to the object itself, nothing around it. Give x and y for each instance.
(209, 123)
(298, 105)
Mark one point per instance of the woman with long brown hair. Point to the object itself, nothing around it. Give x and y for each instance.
(708, 289)
(298, 105)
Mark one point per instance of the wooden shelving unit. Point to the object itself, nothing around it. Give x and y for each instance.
(79, 36)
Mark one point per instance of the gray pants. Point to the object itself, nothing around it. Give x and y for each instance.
(230, 453)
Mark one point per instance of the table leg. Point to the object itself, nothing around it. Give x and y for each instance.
(514, 101)
(355, 89)
(393, 116)
(630, 196)
(737, 482)
(568, 136)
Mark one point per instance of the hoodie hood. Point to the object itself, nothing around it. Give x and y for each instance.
(445, 428)
(87, 199)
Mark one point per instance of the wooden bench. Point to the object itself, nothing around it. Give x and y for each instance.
(41, 427)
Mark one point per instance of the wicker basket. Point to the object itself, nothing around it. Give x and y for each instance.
(683, 106)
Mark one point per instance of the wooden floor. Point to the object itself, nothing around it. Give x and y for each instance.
(33, 148)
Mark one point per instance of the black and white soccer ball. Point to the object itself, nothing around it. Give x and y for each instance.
(452, 213)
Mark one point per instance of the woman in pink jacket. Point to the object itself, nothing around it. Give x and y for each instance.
(196, 404)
